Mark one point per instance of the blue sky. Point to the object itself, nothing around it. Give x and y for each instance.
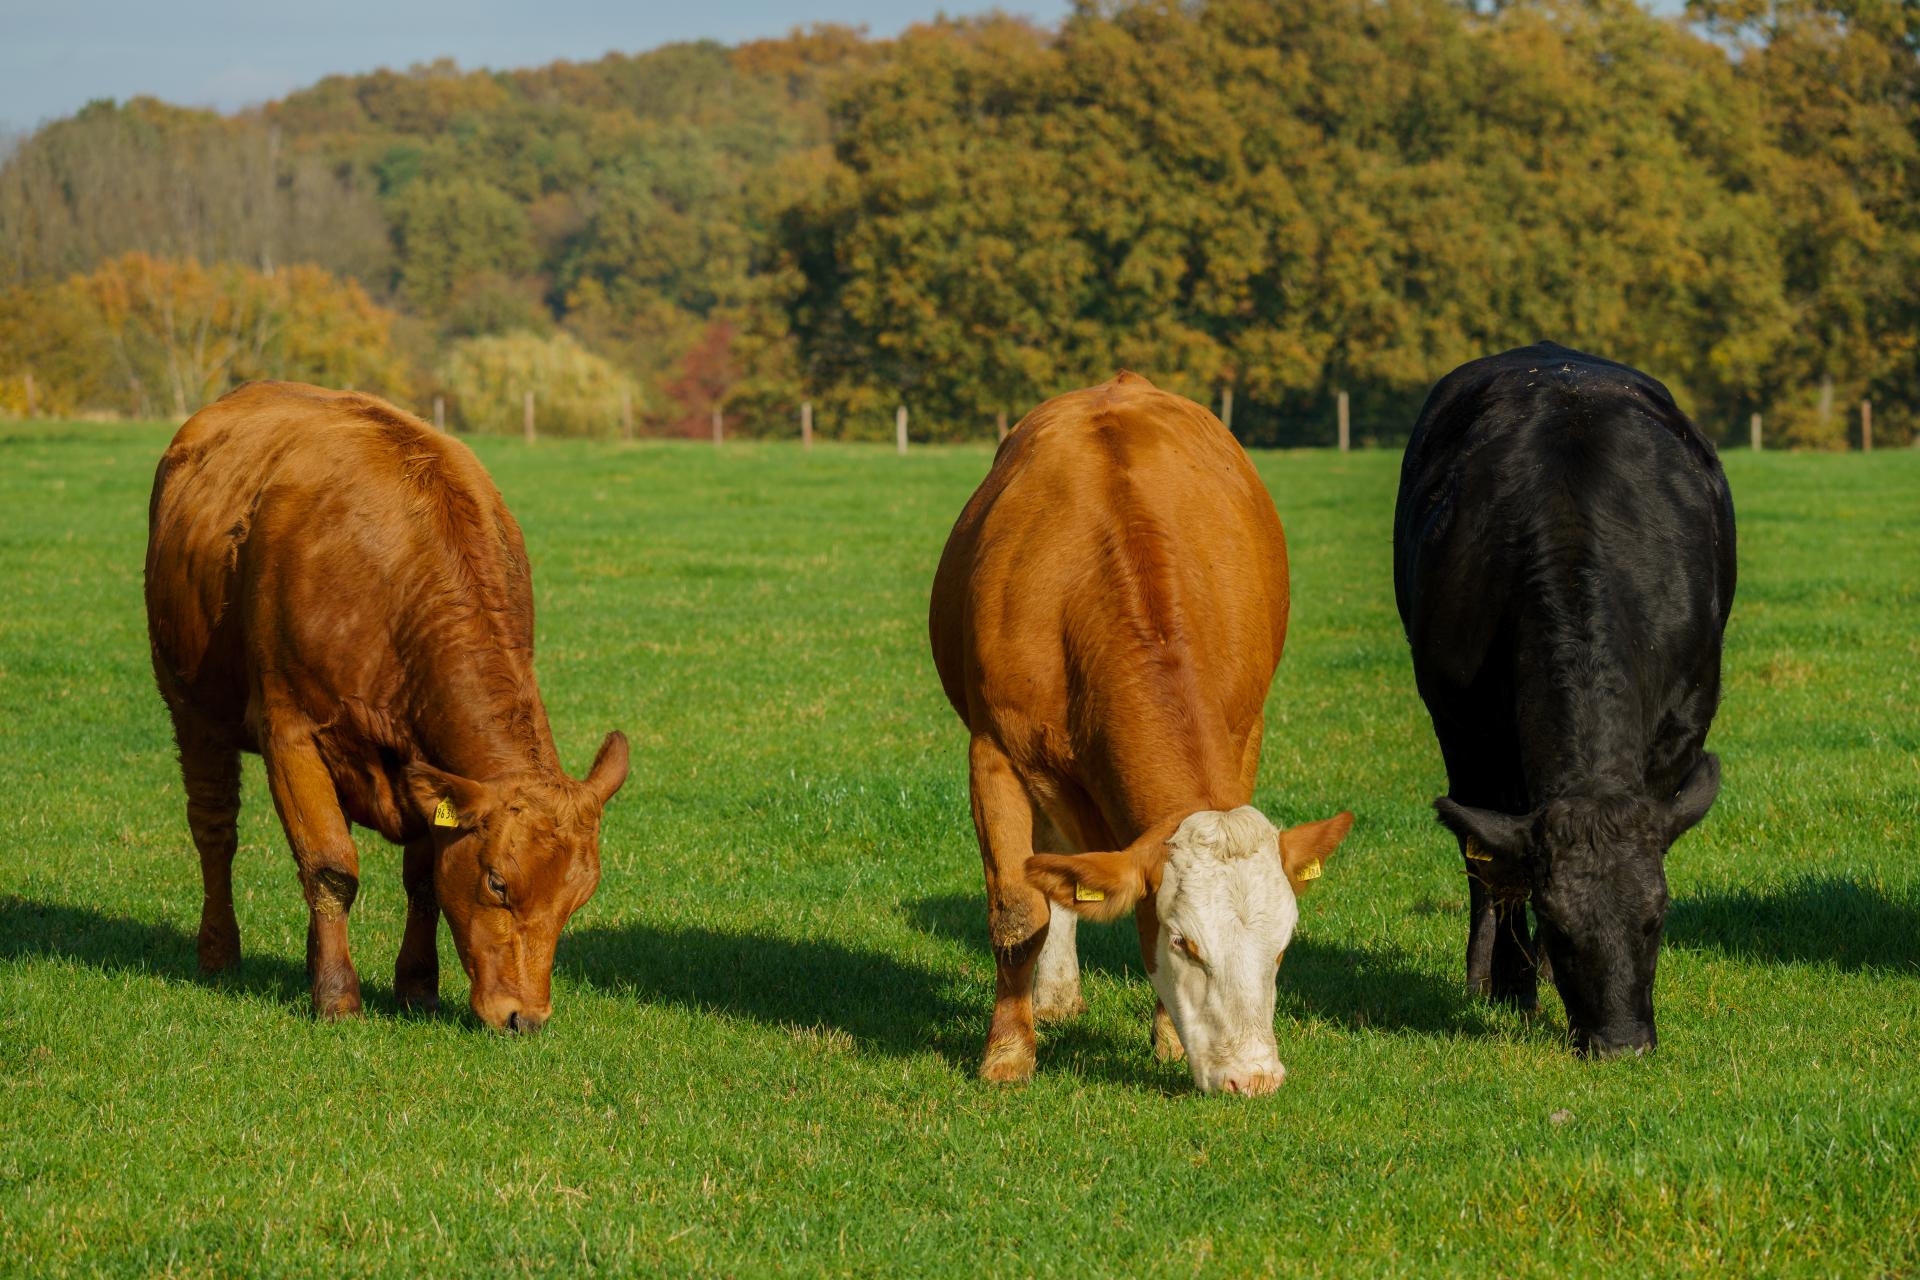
(56, 55)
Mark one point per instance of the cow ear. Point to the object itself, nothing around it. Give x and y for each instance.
(609, 769)
(1486, 833)
(1305, 849)
(445, 799)
(1099, 886)
(1695, 797)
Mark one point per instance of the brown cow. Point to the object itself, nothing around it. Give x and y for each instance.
(333, 584)
(1107, 618)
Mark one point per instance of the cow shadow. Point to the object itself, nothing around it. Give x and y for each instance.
(878, 1000)
(883, 1004)
(1812, 920)
(962, 917)
(121, 944)
(1348, 986)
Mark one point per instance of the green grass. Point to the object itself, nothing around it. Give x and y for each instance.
(766, 1022)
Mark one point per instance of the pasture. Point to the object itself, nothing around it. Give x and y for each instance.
(767, 1021)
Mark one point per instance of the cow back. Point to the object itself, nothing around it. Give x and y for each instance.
(337, 542)
(1564, 554)
(1112, 603)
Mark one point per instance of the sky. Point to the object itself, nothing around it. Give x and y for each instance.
(57, 55)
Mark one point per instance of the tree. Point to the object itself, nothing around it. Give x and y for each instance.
(156, 179)
(1838, 86)
(1289, 199)
(448, 230)
(169, 336)
(575, 392)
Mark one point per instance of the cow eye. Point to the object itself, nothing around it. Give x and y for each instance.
(1185, 944)
(496, 886)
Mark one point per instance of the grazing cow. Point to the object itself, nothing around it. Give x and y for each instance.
(1563, 562)
(1106, 619)
(335, 585)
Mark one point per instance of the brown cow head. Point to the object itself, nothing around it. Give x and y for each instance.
(512, 861)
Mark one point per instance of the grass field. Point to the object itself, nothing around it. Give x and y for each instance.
(767, 1021)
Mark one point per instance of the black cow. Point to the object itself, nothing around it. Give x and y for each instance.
(1563, 561)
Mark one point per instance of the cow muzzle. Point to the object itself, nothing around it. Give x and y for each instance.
(1243, 1080)
(1625, 1042)
(1253, 1084)
(512, 1016)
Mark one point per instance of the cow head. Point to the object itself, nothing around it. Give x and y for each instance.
(1224, 890)
(1595, 870)
(512, 861)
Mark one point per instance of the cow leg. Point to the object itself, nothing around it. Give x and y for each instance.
(1018, 915)
(416, 974)
(1080, 826)
(329, 868)
(1500, 950)
(1501, 955)
(1165, 1040)
(211, 773)
(1480, 934)
(1515, 975)
(1056, 975)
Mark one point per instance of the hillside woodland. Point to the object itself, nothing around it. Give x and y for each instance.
(1282, 198)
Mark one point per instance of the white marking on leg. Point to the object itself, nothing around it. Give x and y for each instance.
(1056, 974)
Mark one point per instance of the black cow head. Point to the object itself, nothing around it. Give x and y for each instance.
(1594, 868)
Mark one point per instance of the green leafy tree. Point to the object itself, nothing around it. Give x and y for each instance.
(576, 393)
(449, 230)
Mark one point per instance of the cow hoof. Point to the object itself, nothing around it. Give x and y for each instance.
(421, 1002)
(338, 1009)
(1007, 1064)
(1059, 1007)
(219, 945)
(219, 959)
(335, 1000)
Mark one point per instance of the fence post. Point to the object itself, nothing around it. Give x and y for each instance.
(900, 430)
(30, 404)
(1226, 408)
(528, 420)
(1754, 426)
(1000, 425)
(1340, 411)
(626, 413)
(719, 428)
(1866, 426)
(806, 425)
(439, 413)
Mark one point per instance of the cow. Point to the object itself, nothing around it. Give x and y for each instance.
(332, 584)
(1106, 620)
(1564, 568)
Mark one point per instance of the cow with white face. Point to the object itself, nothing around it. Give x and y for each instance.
(1106, 620)
(1225, 891)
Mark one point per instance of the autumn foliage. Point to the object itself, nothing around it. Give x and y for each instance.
(157, 337)
(1284, 198)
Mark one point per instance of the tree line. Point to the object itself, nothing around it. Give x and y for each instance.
(1285, 199)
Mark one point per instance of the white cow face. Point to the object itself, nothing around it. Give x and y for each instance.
(1225, 891)
(1226, 913)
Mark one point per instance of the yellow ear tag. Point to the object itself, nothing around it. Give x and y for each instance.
(444, 815)
(1083, 894)
(1475, 852)
(1311, 871)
